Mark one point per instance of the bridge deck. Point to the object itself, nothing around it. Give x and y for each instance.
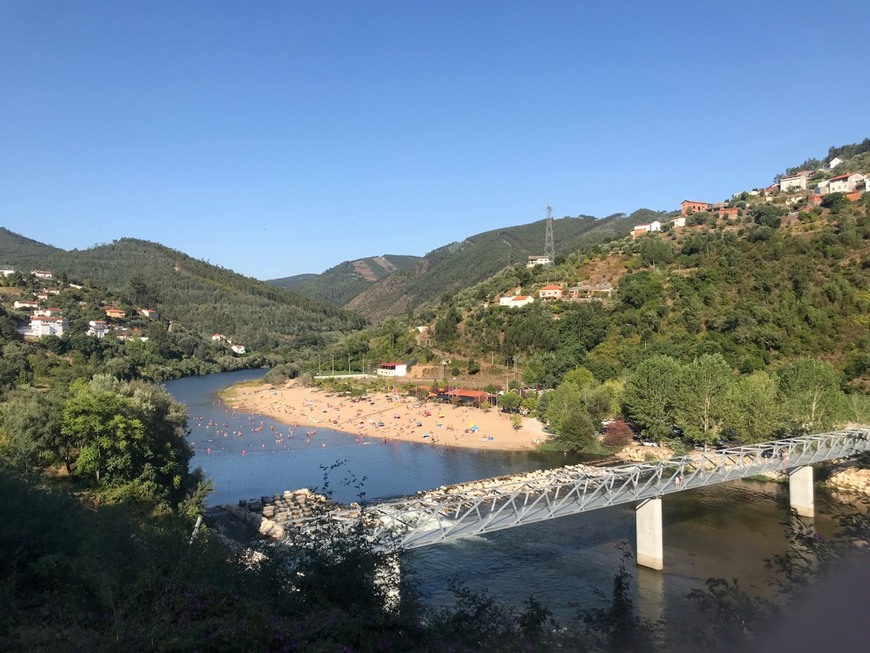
(494, 504)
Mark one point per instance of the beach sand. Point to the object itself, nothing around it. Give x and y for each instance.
(387, 416)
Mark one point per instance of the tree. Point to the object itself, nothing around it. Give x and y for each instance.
(557, 405)
(655, 251)
(130, 437)
(702, 388)
(617, 435)
(510, 401)
(809, 392)
(650, 395)
(751, 412)
(636, 290)
(445, 326)
(577, 431)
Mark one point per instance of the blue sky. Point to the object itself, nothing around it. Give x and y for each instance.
(276, 138)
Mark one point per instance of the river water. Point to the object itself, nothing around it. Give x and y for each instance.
(722, 531)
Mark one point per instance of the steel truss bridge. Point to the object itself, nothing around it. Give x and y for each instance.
(478, 507)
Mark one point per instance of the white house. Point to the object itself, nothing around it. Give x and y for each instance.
(844, 183)
(834, 162)
(47, 326)
(20, 304)
(392, 369)
(7, 272)
(678, 222)
(217, 337)
(42, 274)
(515, 301)
(538, 260)
(641, 229)
(238, 349)
(796, 181)
(97, 328)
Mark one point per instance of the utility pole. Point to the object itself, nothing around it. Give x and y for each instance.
(549, 242)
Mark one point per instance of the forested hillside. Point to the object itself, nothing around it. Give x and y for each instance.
(203, 297)
(756, 294)
(452, 268)
(341, 283)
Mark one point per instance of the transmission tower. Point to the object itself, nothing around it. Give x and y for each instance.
(549, 243)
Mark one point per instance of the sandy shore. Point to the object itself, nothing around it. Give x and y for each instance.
(391, 417)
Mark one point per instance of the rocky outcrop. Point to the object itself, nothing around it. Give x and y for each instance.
(635, 453)
(850, 478)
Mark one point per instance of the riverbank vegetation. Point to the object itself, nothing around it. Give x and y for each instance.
(81, 579)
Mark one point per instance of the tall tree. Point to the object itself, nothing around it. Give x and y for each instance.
(751, 411)
(809, 390)
(650, 395)
(702, 388)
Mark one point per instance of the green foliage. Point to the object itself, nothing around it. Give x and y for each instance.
(809, 392)
(128, 440)
(751, 410)
(203, 297)
(651, 394)
(700, 405)
(578, 431)
(510, 401)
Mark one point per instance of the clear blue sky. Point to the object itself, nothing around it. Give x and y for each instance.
(276, 138)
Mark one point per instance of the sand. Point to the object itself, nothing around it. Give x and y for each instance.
(388, 416)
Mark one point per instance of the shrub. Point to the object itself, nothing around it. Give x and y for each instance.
(617, 435)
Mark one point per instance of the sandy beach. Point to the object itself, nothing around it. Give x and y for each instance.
(387, 416)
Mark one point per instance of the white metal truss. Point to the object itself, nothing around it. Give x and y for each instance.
(489, 505)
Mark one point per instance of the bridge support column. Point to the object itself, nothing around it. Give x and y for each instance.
(650, 550)
(800, 490)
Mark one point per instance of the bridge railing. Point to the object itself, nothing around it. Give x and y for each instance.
(493, 504)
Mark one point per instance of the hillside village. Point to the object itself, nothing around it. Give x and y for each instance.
(793, 195)
(35, 291)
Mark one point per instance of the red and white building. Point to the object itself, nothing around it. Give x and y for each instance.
(550, 292)
(515, 301)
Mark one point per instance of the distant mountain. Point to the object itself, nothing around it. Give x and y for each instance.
(341, 283)
(203, 297)
(370, 288)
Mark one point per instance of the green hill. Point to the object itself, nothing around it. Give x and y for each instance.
(341, 283)
(16, 250)
(452, 268)
(202, 297)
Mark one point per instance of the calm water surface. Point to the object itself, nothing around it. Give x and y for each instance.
(724, 531)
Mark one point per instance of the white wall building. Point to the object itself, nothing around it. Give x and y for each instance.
(392, 369)
(794, 182)
(538, 260)
(515, 301)
(97, 328)
(47, 326)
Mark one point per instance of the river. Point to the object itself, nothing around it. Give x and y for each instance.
(722, 531)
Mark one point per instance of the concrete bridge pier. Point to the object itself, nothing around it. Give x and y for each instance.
(800, 490)
(650, 547)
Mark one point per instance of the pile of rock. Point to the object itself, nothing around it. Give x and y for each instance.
(851, 478)
(276, 515)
